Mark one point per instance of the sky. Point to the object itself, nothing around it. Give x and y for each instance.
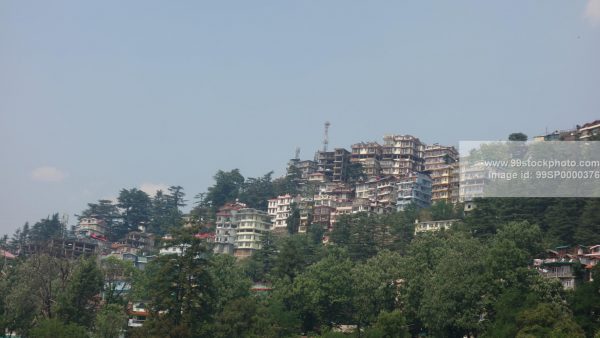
(100, 96)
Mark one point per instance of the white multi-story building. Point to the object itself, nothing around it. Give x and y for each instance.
(440, 164)
(402, 155)
(426, 226)
(251, 226)
(414, 189)
(380, 192)
(280, 209)
(226, 227)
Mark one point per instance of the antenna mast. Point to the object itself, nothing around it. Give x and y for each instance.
(326, 136)
(297, 157)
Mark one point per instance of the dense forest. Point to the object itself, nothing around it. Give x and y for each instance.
(373, 278)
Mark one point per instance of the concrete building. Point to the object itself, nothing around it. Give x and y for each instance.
(402, 155)
(473, 179)
(589, 130)
(343, 208)
(280, 209)
(380, 192)
(340, 164)
(426, 226)
(135, 242)
(414, 189)
(226, 227)
(368, 154)
(304, 168)
(322, 215)
(91, 227)
(325, 163)
(251, 225)
(306, 213)
(440, 165)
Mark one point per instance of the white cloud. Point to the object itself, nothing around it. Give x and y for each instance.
(152, 188)
(592, 11)
(47, 174)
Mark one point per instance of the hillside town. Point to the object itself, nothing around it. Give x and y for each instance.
(400, 176)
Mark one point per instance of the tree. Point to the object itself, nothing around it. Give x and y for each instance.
(46, 229)
(585, 303)
(109, 213)
(547, 320)
(293, 220)
(375, 284)
(322, 295)
(457, 294)
(110, 322)
(260, 264)
(255, 192)
(389, 325)
(229, 280)
(201, 212)
(136, 208)
(354, 173)
(588, 231)
(560, 218)
(78, 302)
(180, 290)
(166, 215)
(176, 196)
(443, 210)
(357, 233)
(295, 253)
(118, 276)
(55, 328)
(517, 137)
(226, 188)
(35, 286)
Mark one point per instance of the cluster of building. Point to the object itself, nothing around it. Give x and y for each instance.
(583, 132)
(398, 158)
(370, 177)
(569, 265)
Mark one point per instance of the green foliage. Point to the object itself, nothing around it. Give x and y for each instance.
(260, 264)
(357, 233)
(444, 210)
(46, 229)
(323, 293)
(229, 280)
(585, 303)
(588, 232)
(560, 219)
(295, 253)
(456, 296)
(293, 220)
(78, 302)
(376, 286)
(55, 328)
(547, 320)
(136, 208)
(389, 325)
(110, 321)
(255, 317)
(109, 213)
(355, 173)
(180, 290)
(166, 216)
(118, 276)
(517, 137)
(256, 192)
(226, 188)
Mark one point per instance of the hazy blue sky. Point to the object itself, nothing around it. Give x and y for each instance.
(99, 96)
